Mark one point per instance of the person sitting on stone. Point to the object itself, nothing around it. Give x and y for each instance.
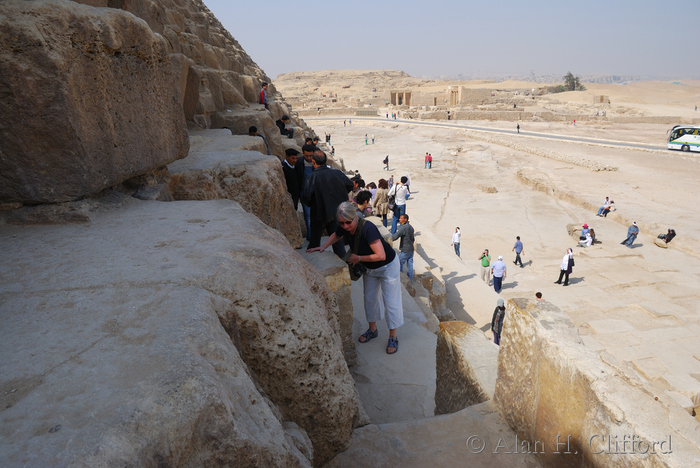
(253, 131)
(610, 208)
(282, 125)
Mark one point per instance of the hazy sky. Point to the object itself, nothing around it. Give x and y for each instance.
(474, 38)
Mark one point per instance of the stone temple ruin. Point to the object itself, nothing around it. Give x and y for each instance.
(154, 308)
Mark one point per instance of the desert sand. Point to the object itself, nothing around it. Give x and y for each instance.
(638, 304)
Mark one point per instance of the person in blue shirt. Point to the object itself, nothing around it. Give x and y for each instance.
(518, 249)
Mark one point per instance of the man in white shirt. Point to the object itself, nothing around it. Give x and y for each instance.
(498, 270)
(455, 240)
(399, 192)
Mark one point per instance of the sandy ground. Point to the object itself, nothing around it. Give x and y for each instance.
(638, 304)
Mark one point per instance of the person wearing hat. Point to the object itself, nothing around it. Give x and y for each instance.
(282, 125)
(293, 169)
(498, 270)
(586, 239)
(632, 233)
(497, 321)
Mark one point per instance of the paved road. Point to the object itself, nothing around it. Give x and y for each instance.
(507, 132)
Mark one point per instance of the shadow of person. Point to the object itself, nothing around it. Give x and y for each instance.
(578, 279)
(509, 284)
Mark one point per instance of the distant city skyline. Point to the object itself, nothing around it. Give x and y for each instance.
(645, 38)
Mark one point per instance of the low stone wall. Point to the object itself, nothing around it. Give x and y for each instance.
(466, 364)
(576, 408)
(348, 111)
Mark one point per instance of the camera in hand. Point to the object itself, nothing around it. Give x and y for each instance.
(357, 270)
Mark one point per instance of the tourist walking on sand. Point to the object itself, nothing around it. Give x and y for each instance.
(518, 249)
(407, 235)
(498, 270)
(381, 201)
(430, 161)
(425, 166)
(391, 179)
(566, 267)
(365, 139)
(486, 267)
(399, 192)
(381, 280)
(456, 240)
(499, 314)
(518, 127)
(632, 233)
(372, 139)
(386, 167)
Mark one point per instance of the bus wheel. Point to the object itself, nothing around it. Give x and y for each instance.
(685, 148)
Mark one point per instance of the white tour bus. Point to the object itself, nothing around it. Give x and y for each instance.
(684, 138)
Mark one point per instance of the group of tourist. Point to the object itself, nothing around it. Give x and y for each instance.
(337, 205)
(428, 161)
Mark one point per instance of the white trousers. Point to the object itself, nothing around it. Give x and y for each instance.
(383, 294)
(486, 274)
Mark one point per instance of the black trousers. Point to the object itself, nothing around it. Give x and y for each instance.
(562, 274)
(317, 228)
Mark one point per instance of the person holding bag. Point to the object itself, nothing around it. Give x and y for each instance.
(567, 267)
(382, 284)
(399, 192)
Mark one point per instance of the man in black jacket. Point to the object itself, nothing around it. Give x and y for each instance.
(282, 125)
(294, 174)
(324, 190)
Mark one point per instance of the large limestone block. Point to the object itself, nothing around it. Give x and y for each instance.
(474, 437)
(136, 321)
(552, 389)
(214, 170)
(238, 120)
(89, 99)
(335, 271)
(466, 366)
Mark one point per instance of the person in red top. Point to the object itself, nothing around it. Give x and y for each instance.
(263, 95)
(426, 161)
(430, 161)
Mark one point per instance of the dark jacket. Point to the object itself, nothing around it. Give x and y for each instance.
(324, 190)
(497, 321)
(294, 177)
(407, 235)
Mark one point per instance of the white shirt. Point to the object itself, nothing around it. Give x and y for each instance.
(399, 191)
(456, 236)
(565, 261)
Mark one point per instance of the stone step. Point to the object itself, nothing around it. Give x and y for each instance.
(476, 436)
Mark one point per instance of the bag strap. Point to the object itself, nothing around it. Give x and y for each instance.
(358, 232)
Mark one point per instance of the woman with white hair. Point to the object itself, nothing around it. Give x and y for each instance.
(382, 285)
(566, 267)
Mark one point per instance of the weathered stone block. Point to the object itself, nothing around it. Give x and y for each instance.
(337, 277)
(213, 170)
(124, 345)
(466, 366)
(550, 385)
(75, 81)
